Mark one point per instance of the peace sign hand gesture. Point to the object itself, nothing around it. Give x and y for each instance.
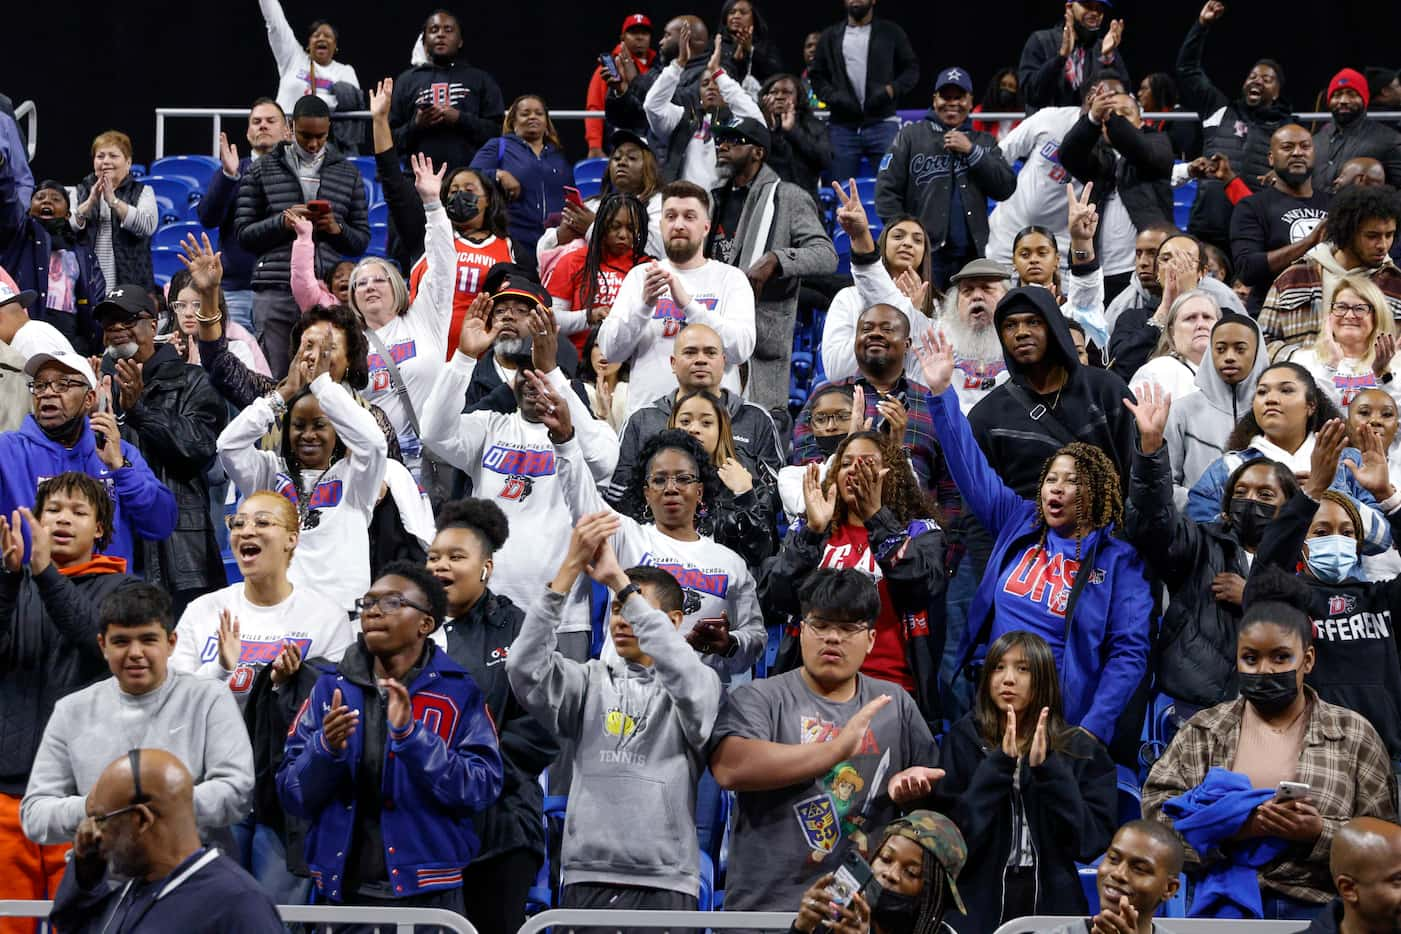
(1081, 216)
(852, 216)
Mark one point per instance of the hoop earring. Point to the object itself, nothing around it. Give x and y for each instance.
(647, 512)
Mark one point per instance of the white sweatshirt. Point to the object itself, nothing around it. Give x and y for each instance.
(320, 628)
(714, 578)
(643, 334)
(415, 511)
(662, 117)
(512, 463)
(294, 65)
(417, 339)
(333, 555)
(1040, 197)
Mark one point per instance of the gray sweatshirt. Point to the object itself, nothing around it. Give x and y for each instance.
(641, 735)
(193, 718)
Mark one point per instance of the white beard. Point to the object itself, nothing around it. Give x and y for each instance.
(507, 347)
(981, 346)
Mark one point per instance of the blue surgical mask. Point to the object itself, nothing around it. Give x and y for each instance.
(1332, 557)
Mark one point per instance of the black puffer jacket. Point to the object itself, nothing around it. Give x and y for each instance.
(131, 251)
(1195, 654)
(271, 186)
(48, 649)
(1239, 132)
(1070, 804)
(1135, 163)
(175, 427)
(480, 641)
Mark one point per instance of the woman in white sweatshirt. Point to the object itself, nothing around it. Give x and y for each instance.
(309, 69)
(330, 466)
(1355, 343)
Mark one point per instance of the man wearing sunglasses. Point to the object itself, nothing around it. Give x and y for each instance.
(138, 864)
(391, 756)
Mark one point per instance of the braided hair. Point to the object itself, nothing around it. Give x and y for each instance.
(634, 501)
(1099, 500)
(900, 492)
(612, 206)
(931, 905)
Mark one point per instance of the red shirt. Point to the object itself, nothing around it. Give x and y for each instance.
(474, 261)
(849, 547)
(565, 282)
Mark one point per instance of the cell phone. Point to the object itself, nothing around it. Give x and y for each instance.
(712, 623)
(424, 105)
(572, 196)
(1293, 791)
(878, 422)
(610, 68)
(853, 877)
(320, 206)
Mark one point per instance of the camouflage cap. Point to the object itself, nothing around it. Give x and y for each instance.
(937, 834)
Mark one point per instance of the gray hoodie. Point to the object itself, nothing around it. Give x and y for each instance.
(1198, 426)
(195, 719)
(641, 735)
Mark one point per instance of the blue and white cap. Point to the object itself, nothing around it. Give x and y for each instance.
(955, 76)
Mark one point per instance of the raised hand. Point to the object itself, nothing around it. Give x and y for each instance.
(1211, 12)
(477, 336)
(714, 64)
(427, 182)
(590, 532)
(105, 424)
(1116, 919)
(1067, 33)
(1010, 747)
(655, 283)
(400, 712)
(866, 484)
(1384, 348)
(912, 784)
(205, 265)
(1112, 37)
(340, 721)
(11, 544)
(852, 735)
(230, 643)
(958, 142)
(554, 413)
(1082, 219)
(131, 383)
(1037, 753)
(1219, 167)
(1328, 447)
(897, 417)
(683, 46)
(818, 505)
(858, 420)
(851, 214)
(228, 155)
(287, 663)
(935, 355)
(1228, 588)
(380, 97)
(1151, 412)
(603, 565)
(1373, 474)
(735, 477)
(544, 339)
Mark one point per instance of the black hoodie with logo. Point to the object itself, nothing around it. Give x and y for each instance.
(1019, 429)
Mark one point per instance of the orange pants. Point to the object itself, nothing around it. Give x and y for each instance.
(27, 870)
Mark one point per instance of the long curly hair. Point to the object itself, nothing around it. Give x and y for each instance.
(634, 500)
(900, 492)
(1323, 408)
(1099, 502)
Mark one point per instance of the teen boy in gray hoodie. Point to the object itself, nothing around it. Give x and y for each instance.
(641, 723)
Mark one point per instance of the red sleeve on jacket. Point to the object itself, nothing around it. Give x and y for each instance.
(1238, 190)
(598, 91)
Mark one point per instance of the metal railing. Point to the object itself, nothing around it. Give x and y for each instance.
(28, 110)
(697, 920)
(402, 920)
(1038, 923)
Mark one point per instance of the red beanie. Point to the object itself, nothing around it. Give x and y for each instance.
(1350, 78)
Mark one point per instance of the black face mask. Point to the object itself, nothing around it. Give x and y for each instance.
(56, 226)
(65, 433)
(1249, 518)
(1270, 693)
(894, 913)
(462, 206)
(828, 445)
(1004, 99)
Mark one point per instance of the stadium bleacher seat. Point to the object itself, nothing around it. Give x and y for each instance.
(1182, 198)
(138, 169)
(588, 188)
(196, 169)
(174, 195)
(379, 236)
(379, 213)
(866, 188)
(370, 194)
(165, 263)
(590, 169)
(366, 165)
(1130, 795)
(172, 235)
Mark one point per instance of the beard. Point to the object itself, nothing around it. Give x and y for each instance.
(124, 351)
(1346, 116)
(682, 251)
(1294, 179)
(512, 346)
(981, 345)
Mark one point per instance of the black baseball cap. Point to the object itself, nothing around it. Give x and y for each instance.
(622, 135)
(510, 280)
(124, 303)
(745, 129)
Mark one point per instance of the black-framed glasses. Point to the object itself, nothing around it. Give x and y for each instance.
(824, 627)
(60, 386)
(660, 482)
(389, 603)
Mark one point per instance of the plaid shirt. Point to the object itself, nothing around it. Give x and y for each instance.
(1343, 761)
(1293, 312)
(920, 444)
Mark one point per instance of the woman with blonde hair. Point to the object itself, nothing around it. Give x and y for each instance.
(1355, 343)
(1186, 335)
(528, 161)
(115, 214)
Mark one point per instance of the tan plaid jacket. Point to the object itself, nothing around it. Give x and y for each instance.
(1343, 761)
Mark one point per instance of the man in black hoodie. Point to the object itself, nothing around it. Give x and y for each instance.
(170, 412)
(1050, 400)
(445, 108)
(1236, 130)
(1061, 63)
(48, 648)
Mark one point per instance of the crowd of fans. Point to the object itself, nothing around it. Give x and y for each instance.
(321, 564)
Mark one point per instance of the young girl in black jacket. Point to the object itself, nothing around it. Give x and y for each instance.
(1030, 794)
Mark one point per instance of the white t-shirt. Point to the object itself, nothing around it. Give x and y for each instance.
(333, 555)
(1176, 377)
(512, 463)
(1116, 237)
(643, 334)
(663, 116)
(1040, 196)
(856, 52)
(417, 339)
(319, 627)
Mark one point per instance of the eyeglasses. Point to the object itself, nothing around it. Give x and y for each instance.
(259, 520)
(182, 307)
(371, 280)
(660, 482)
(1344, 310)
(38, 388)
(388, 603)
(828, 419)
(823, 627)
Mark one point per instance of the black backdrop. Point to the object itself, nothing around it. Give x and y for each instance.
(92, 66)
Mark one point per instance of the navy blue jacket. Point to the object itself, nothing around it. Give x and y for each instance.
(542, 180)
(217, 209)
(445, 770)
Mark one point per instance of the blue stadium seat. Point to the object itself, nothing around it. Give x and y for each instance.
(379, 213)
(366, 165)
(866, 187)
(379, 236)
(869, 204)
(588, 187)
(174, 195)
(842, 243)
(1130, 796)
(165, 263)
(1182, 198)
(138, 169)
(172, 235)
(589, 170)
(706, 900)
(1089, 881)
(370, 196)
(197, 169)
